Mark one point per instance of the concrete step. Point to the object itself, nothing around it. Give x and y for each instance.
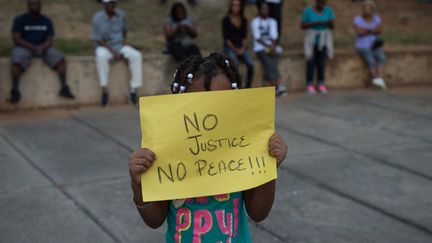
(40, 85)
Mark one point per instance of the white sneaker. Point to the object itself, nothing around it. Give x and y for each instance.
(279, 50)
(280, 90)
(380, 83)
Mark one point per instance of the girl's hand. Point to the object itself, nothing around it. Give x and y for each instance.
(139, 162)
(277, 148)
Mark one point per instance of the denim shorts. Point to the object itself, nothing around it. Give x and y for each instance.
(372, 58)
(23, 56)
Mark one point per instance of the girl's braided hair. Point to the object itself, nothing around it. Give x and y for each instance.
(196, 67)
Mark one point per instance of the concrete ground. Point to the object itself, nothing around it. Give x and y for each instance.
(359, 170)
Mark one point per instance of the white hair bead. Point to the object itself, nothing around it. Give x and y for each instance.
(234, 85)
(175, 85)
(190, 77)
(182, 88)
(227, 62)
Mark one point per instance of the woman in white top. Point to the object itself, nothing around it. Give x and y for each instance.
(367, 27)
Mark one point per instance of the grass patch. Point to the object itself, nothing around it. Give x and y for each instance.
(419, 38)
(146, 18)
(75, 47)
(5, 47)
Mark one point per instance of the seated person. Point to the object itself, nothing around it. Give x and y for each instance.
(109, 32)
(179, 32)
(265, 36)
(32, 35)
(367, 27)
(234, 31)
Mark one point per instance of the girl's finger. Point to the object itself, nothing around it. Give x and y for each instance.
(138, 170)
(273, 152)
(145, 153)
(151, 153)
(275, 146)
(143, 162)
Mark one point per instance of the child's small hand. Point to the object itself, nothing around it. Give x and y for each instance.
(139, 162)
(278, 148)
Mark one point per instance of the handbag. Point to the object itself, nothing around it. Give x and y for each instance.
(378, 43)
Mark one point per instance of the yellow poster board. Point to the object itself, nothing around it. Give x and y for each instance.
(207, 143)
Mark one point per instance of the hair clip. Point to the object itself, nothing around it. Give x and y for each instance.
(182, 89)
(227, 62)
(175, 86)
(234, 85)
(190, 77)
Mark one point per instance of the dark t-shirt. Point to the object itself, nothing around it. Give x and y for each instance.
(33, 30)
(234, 33)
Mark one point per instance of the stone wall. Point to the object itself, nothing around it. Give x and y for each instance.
(39, 85)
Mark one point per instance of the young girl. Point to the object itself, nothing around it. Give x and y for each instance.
(219, 218)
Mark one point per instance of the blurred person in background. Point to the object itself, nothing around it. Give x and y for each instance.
(368, 26)
(265, 36)
(191, 2)
(317, 21)
(32, 34)
(234, 30)
(276, 13)
(180, 30)
(109, 32)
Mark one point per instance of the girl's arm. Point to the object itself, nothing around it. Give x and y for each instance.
(153, 213)
(259, 200)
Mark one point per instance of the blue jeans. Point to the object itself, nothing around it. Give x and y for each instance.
(270, 67)
(371, 57)
(246, 58)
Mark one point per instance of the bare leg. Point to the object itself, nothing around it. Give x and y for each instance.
(16, 72)
(374, 72)
(380, 70)
(61, 67)
(64, 90)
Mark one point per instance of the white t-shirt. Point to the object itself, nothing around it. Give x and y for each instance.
(265, 29)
